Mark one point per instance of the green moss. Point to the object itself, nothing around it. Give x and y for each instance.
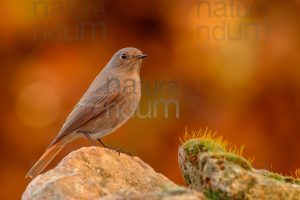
(275, 176)
(279, 177)
(212, 195)
(238, 160)
(194, 146)
(219, 195)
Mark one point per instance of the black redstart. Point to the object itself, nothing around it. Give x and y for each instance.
(108, 103)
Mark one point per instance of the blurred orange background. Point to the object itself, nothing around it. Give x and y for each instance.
(236, 65)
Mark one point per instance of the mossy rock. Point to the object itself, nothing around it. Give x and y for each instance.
(207, 166)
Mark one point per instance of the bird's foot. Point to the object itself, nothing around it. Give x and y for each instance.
(119, 151)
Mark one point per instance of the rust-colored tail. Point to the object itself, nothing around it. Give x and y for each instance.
(45, 159)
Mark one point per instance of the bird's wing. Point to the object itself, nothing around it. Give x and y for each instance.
(86, 110)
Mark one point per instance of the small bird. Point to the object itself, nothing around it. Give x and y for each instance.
(109, 102)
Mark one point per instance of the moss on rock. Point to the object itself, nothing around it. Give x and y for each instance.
(208, 165)
(195, 146)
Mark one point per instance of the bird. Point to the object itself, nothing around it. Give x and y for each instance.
(111, 99)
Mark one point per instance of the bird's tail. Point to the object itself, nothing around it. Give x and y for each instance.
(45, 159)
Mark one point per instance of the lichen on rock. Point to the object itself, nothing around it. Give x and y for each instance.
(209, 166)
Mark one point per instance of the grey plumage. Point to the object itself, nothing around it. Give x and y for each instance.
(105, 106)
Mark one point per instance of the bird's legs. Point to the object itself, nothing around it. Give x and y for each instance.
(114, 149)
(86, 134)
(102, 143)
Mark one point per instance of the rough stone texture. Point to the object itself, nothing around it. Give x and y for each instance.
(208, 168)
(93, 172)
(169, 193)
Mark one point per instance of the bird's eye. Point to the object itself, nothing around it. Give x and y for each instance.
(123, 56)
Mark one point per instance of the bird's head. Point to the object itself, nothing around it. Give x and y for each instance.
(127, 60)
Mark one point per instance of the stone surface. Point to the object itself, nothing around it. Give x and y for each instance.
(94, 172)
(207, 167)
(210, 169)
(168, 193)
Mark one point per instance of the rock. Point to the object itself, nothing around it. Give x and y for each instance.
(208, 167)
(167, 193)
(94, 172)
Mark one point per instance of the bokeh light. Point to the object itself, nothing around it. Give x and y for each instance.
(37, 105)
(246, 89)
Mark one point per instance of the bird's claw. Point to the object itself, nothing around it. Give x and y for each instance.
(119, 151)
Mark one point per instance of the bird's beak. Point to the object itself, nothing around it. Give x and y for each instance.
(141, 56)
